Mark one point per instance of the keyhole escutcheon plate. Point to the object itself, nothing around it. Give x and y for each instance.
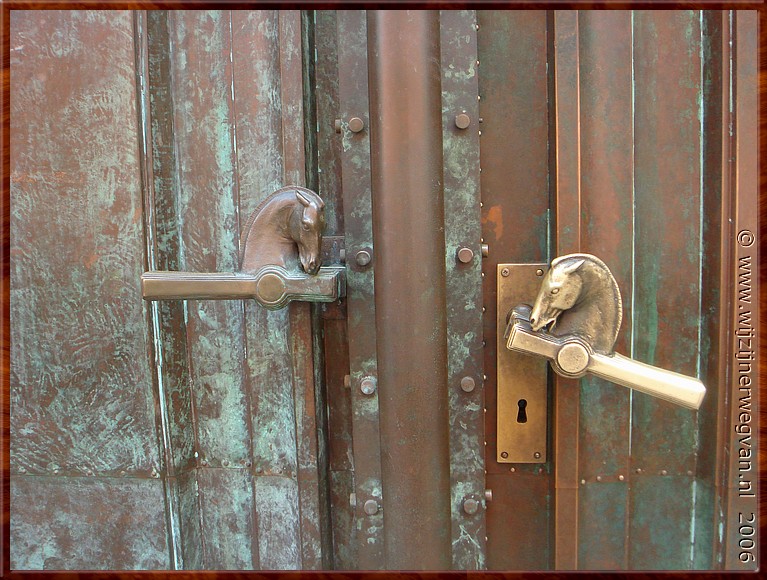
(522, 380)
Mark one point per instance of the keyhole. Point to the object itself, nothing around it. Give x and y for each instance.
(522, 413)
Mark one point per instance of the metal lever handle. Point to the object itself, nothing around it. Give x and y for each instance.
(272, 286)
(573, 357)
(282, 236)
(579, 302)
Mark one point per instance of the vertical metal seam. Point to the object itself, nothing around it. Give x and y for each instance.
(165, 453)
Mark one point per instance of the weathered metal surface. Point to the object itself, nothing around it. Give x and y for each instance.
(522, 403)
(411, 326)
(514, 180)
(356, 183)
(667, 173)
(80, 385)
(87, 523)
(742, 472)
(606, 144)
(460, 152)
(564, 157)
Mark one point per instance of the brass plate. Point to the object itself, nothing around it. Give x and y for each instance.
(521, 377)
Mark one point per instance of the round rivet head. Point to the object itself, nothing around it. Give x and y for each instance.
(368, 386)
(462, 120)
(470, 506)
(356, 124)
(363, 257)
(537, 454)
(465, 255)
(370, 507)
(621, 478)
(504, 455)
(467, 384)
(539, 272)
(505, 272)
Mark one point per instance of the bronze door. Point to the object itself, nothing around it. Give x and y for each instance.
(457, 153)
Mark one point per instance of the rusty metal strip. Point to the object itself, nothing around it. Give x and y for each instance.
(356, 181)
(313, 519)
(741, 525)
(567, 219)
(464, 286)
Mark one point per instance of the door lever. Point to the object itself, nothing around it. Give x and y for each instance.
(574, 323)
(279, 261)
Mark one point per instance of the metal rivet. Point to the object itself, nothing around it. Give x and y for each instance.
(488, 495)
(621, 478)
(689, 472)
(337, 125)
(583, 482)
(462, 120)
(467, 384)
(638, 470)
(505, 272)
(225, 463)
(465, 255)
(353, 500)
(539, 272)
(470, 506)
(204, 462)
(22, 470)
(356, 124)
(122, 473)
(370, 507)
(485, 250)
(347, 381)
(513, 469)
(56, 471)
(663, 472)
(504, 455)
(368, 385)
(599, 478)
(363, 257)
(342, 255)
(537, 454)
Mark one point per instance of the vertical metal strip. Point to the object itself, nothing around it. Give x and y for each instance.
(460, 150)
(310, 509)
(568, 240)
(742, 523)
(363, 362)
(162, 418)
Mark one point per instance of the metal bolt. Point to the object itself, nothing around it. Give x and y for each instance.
(505, 272)
(337, 125)
(539, 272)
(370, 507)
(465, 255)
(356, 124)
(470, 506)
(485, 250)
(621, 478)
(537, 454)
(462, 120)
(488, 495)
(368, 385)
(353, 500)
(347, 381)
(467, 384)
(504, 455)
(363, 257)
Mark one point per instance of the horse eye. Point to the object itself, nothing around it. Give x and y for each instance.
(555, 290)
(305, 226)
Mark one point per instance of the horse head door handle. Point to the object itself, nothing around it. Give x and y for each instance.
(279, 259)
(574, 322)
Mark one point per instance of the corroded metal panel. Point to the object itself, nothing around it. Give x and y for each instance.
(667, 155)
(356, 181)
(606, 192)
(81, 389)
(458, 44)
(87, 523)
(515, 198)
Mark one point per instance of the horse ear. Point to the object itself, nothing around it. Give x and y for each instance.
(573, 266)
(305, 201)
